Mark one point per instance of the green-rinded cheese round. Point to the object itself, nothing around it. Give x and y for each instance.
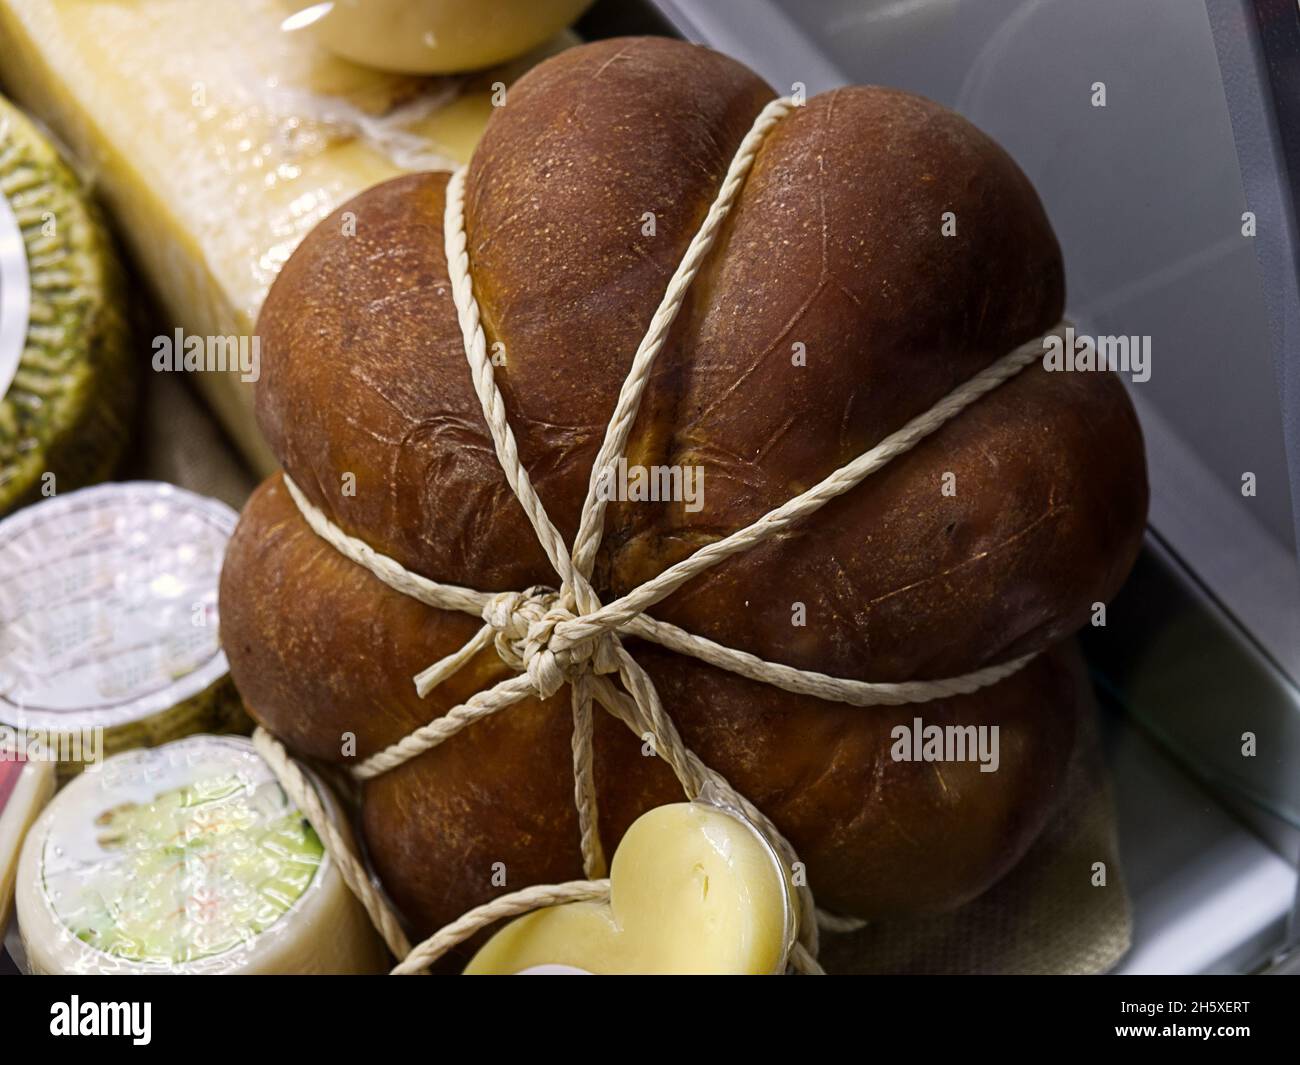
(67, 385)
(186, 858)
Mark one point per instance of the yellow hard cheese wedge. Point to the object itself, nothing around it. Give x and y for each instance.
(693, 889)
(218, 140)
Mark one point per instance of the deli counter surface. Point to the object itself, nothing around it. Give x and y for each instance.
(651, 487)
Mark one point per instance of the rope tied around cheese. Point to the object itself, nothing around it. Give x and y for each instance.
(567, 636)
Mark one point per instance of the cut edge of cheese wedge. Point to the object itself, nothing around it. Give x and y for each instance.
(187, 859)
(25, 787)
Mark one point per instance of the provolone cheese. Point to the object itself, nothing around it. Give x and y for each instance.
(432, 36)
(67, 384)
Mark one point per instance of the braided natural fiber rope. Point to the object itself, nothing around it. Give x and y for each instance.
(354, 873)
(498, 909)
(641, 626)
(569, 637)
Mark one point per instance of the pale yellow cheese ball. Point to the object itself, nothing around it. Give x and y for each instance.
(433, 36)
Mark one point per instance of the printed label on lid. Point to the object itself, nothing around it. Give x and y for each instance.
(108, 605)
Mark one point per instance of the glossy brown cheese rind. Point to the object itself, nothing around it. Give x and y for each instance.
(581, 199)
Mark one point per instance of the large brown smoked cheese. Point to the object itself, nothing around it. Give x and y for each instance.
(835, 306)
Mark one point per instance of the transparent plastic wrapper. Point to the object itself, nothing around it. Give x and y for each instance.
(187, 858)
(108, 620)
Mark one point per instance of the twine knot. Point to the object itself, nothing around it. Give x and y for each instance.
(528, 637)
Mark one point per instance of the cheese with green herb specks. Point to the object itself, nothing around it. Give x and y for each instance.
(187, 858)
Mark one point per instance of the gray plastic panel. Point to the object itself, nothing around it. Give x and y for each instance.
(1146, 195)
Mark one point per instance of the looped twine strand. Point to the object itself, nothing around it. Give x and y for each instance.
(521, 627)
(550, 638)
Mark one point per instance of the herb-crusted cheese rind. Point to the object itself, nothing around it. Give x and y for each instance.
(217, 709)
(25, 788)
(66, 409)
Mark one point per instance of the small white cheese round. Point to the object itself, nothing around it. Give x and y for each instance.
(186, 858)
(108, 619)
